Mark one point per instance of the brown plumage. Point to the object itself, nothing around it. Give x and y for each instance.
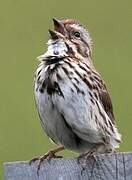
(74, 105)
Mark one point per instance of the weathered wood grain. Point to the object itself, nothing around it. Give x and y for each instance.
(106, 167)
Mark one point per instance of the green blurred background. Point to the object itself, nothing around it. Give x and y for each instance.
(24, 28)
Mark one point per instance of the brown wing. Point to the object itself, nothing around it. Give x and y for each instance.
(107, 103)
(103, 95)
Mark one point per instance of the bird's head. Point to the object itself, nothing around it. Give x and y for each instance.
(72, 35)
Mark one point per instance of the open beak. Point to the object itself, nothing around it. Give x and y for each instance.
(58, 26)
(55, 35)
(59, 30)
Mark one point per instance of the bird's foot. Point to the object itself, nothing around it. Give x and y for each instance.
(48, 156)
(82, 158)
(92, 153)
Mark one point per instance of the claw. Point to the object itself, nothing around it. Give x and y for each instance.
(89, 154)
(86, 155)
(33, 160)
(48, 156)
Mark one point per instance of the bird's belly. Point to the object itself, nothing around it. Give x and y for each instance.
(79, 112)
(59, 114)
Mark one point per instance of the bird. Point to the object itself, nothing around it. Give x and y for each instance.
(72, 100)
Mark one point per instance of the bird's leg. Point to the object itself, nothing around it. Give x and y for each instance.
(88, 154)
(49, 155)
(92, 152)
(84, 156)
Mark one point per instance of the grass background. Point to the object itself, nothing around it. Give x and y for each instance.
(23, 33)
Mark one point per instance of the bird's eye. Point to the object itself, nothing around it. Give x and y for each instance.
(77, 34)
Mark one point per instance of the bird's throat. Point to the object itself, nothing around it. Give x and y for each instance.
(57, 49)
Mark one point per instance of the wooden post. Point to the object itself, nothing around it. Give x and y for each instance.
(103, 167)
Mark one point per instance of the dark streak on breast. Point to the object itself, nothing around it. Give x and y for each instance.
(72, 90)
(59, 78)
(53, 60)
(92, 100)
(39, 72)
(70, 65)
(77, 80)
(66, 71)
(83, 78)
(88, 83)
(91, 113)
(96, 96)
(83, 68)
(38, 79)
(87, 66)
(77, 88)
(51, 85)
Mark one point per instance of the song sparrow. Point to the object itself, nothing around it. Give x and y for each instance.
(74, 105)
